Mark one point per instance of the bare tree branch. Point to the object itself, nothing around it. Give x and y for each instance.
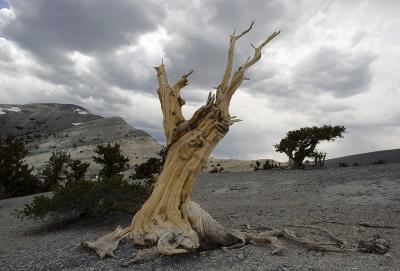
(229, 64)
(246, 31)
(229, 85)
(257, 50)
(171, 101)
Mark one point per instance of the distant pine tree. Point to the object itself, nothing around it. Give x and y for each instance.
(55, 171)
(78, 170)
(112, 159)
(16, 178)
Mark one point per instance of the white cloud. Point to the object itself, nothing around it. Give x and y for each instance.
(82, 63)
(6, 16)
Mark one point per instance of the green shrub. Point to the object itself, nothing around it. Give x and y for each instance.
(214, 170)
(88, 199)
(343, 164)
(267, 165)
(147, 169)
(61, 170)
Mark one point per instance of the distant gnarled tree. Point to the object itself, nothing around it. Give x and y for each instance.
(301, 143)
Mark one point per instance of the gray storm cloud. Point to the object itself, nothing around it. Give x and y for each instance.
(331, 63)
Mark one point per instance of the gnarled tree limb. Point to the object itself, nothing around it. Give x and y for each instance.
(171, 101)
(229, 85)
(330, 234)
(228, 70)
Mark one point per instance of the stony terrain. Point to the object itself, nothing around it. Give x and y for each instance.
(48, 127)
(269, 198)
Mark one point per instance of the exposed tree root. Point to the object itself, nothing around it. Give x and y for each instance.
(327, 221)
(361, 224)
(375, 245)
(105, 245)
(368, 225)
(318, 246)
(334, 238)
(211, 234)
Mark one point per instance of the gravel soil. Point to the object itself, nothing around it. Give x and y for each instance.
(264, 198)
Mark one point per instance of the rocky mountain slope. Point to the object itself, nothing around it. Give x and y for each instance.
(32, 121)
(48, 127)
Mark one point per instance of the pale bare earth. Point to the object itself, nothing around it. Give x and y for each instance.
(269, 198)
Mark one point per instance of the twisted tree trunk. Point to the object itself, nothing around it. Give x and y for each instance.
(169, 212)
(169, 222)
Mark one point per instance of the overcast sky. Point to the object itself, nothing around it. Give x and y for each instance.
(335, 62)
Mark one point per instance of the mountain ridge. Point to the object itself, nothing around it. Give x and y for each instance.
(387, 156)
(48, 127)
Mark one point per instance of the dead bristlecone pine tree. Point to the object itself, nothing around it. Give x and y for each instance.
(169, 222)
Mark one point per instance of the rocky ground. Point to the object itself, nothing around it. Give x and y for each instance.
(270, 198)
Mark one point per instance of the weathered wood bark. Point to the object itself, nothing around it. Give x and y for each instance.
(189, 143)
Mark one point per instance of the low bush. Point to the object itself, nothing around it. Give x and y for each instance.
(267, 165)
(88, 199)
(343, 164)
(378, 162)
(214, 170)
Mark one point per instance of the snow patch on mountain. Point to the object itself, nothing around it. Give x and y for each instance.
(80, 111)
(12, 108)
